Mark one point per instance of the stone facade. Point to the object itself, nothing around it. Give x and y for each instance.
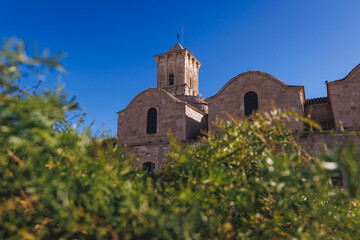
(176, 106)
(317, 143)
(344, 96)
(270, 92)
(320, 110)
(183, 66)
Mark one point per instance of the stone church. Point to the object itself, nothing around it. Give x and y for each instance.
(176, 105)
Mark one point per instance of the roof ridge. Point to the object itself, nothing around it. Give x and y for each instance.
(176, 47)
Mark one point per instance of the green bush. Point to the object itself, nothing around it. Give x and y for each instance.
(251, 181)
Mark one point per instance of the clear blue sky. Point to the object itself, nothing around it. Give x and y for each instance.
(110, 44)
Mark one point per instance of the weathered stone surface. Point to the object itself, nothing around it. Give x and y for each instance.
(132, 121)
(320, 113)
(344, 97)
(149, 152)
(316, 143)
(196, 122)
(185, 69)
(181, 109)
(197, 101)
(183, 120)
(270, 92)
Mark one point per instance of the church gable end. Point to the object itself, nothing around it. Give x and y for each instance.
(149, 117)
(344, 96)
(267, 89)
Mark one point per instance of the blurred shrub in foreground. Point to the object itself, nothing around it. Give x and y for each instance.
(252, 181)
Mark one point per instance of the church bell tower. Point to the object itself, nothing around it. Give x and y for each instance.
(178, 71)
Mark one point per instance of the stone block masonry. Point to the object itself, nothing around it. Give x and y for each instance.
(176, 105)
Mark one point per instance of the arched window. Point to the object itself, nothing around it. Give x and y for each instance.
(149, 167)
(171, 79)
(251, 103)
(151, 121)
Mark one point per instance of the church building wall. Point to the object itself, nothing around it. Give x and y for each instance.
(196, 122)
(132, 122)
(149, 152)
(269, 91)
(192, 72)
(320, 111)
(345, 99)
(176, 106)
(315, 144)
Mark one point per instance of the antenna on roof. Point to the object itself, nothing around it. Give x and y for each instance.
(182, 35)
(178, 36)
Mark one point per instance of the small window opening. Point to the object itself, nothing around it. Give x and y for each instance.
(151, 121)
(250, 102)
(336, 179)
(171, 79)
(149, 167)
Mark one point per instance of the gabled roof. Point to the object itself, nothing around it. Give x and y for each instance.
(269, 76)
(347, 76)
(158, 91)
(176, 47)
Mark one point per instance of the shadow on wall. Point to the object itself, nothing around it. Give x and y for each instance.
(194, 128)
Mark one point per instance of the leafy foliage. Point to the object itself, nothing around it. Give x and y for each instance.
(251, 181)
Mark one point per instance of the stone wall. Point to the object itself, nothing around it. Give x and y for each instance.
(316, 143)
(182, 89)
(170, 63)
(149, 152)
(320, 111)
(196, 101)
(313, 144)
(196, 122)
(182, 110)
(183, 120)
(192, 66)
(153, 152)
(132, 121)
(344, 97)
(269, 90)
(185, 68)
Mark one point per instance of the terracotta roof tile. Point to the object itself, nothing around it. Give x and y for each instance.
(319, 100)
